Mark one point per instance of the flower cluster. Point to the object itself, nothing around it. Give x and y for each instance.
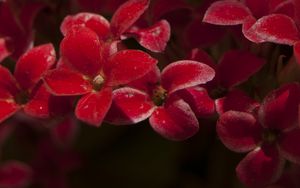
(166, 61)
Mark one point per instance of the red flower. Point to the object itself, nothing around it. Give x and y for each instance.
(272, 134)
(16, 28)
(24, 90)
(92, 75)
(153, 38)
(170, 115)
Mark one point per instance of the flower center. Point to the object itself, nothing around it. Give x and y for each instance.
(98, 82)
(159, 95)
(270, 136)
(22, 97)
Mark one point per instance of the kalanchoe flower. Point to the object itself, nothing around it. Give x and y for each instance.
(155, 96)
(153, 38)
(17, 28)
(275, 27)
(24, 90)
(271, 135)
(93, 75)
(15, 174)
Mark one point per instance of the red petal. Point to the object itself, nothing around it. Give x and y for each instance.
(279, 109)
(14, 174)
(248, 33)
(236, 100)
(29, 13)
(81, 48)
(7, 109)
(33, 64)
(154, 38)
(129, 106)
(297, 51)
(237, 66)
(93, 107)
(38, 104)
(126, 66)
(260, 167)
(226, 12)
(65, 82)
(92, 21)
(126, 15)
(148, 82)
(175, 122)
(239, 131)
(186, 73)
(289, 145)
(277, 28)
(199, 100)
(8, 83)
(4, 51)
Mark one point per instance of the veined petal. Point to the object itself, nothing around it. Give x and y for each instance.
(126, 66)
(64, 82)
(38, 103)
(199, 100)
(33, 65)
(186, 73)
(175, 122)
(15, 174)
(260, 167)
(8, 108)
(277, 28)
(126, 15)
(236, 100)
(279, 109)
(93, 107)
(154, 38)
(226, 12)
(289, 147)
(237, 66)
(239, 131)
(81, 48)
(129, 106)
(95, 22)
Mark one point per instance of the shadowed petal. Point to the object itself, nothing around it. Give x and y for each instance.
(33, 65)
(175, 122)
(239, 131)
(126, 66)
(129, 106)
(297, 51)
(237, 66)
(8, 83)
(4, 51)
(184, 74)
(15, 174)
(236, 100)
(260, 167)
(126, 15)
(289, 145)
(8, 108)
(93, 107)
(64, 82)
(279, 109)
(81, 48)
(226, 12)
(95, 22)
